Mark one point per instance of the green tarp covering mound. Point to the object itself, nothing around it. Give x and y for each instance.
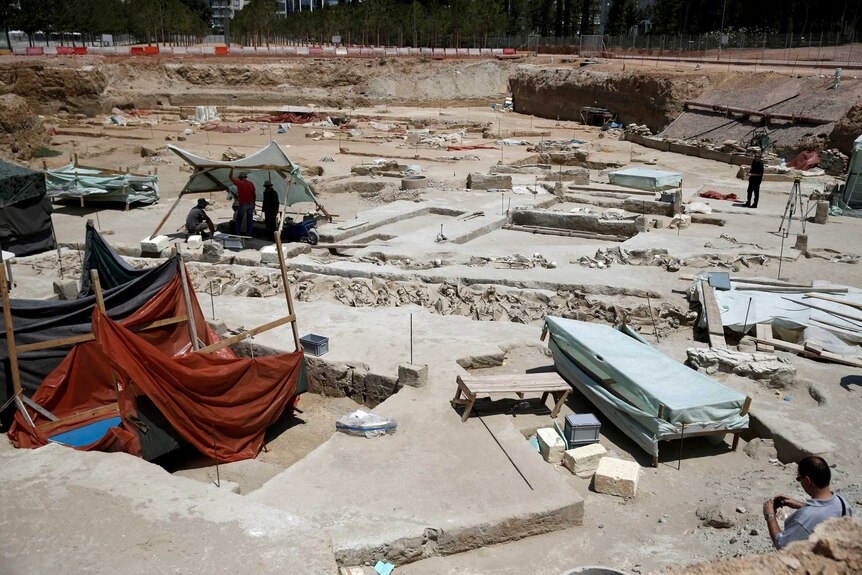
(25, 211)
(95, 184)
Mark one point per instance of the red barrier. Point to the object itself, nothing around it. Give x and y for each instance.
(64, 50)
(136, 51)
(508, 51)
(80, 51)
(221, 50)
(151, 49)
(315, 51)
(35, 51)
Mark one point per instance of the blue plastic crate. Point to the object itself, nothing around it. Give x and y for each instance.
(316, 345)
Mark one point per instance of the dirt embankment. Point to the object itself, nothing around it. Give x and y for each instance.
(21, 130)
(95, 85)
(653, 99)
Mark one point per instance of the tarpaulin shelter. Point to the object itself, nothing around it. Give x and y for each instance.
(74, 181)
(145, 386)
(851, 199)
(269, 164)
(113, 270)
(25, 211)
(647, 395)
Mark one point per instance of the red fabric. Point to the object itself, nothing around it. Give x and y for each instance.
(245, 191)
(285, 118)
(206, 398)
(458, 148)
(201, 395)
(718, 196)
(804, 161)
(83, 380)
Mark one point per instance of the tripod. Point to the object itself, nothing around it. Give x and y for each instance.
(794, 206)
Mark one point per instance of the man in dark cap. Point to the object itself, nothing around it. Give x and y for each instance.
(270, 208)
(197, 221)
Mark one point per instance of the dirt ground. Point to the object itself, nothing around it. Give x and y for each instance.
(658, 529)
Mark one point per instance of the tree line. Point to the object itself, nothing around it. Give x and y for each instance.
(455, 23)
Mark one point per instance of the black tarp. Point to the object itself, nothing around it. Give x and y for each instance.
(41, 320)
(100, 256)
(25, 211)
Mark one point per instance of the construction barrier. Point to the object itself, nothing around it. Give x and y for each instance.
(310, 51)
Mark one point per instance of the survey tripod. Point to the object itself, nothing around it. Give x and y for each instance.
(794, 207)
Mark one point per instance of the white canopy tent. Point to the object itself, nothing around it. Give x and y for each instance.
(269, 164)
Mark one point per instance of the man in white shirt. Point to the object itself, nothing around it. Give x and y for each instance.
(814, 476)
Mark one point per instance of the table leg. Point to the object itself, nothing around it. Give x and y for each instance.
(471, 400)
(560, 401)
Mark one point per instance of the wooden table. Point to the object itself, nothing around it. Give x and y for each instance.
(519, 383)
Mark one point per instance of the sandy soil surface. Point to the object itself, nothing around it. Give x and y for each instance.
(657, 529)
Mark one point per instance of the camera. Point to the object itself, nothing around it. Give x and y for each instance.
(777, 503)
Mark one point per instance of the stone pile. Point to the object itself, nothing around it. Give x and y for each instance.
(642, 129)
(833, 162)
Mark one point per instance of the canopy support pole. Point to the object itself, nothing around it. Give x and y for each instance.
(13, 352)
(100, 301)
(170, 210)
(284, 205)
(287, 293)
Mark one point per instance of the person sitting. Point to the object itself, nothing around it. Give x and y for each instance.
(197, 221)
(814, 476)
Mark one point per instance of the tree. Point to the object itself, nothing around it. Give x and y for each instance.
(8, 13)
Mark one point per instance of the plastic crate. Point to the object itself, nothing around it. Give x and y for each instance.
(581, 429)
(316, 345)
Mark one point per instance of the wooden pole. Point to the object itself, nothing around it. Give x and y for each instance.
(10, 346)
(100, 301)
(187, 300)
(287, 294)
(170, 211)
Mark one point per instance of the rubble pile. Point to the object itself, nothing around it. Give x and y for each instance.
(833, 162)
(642, 129)
(606, 257)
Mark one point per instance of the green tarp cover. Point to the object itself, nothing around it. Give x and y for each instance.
(93, 184)
(18, 184)
(597, 359)
(645, 179)
(267, 164)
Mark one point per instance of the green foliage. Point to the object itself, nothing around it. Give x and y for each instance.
(46, 153)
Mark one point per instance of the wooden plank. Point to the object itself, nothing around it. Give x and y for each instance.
(790, 290)
(48, 344)
(827, 310)
(246, 334)
(835, 300)
(743, 412)
(10, 334)
(106, 410)
(187, 300)
(764, 331)
(826, 356)
(519, 377)
(713, 317)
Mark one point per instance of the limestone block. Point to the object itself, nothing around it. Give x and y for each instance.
(551, 445)
(269, 254)
(66, 290)
(584, 458)
(821, 216)
(155, 245)
(777, 372)
(412, 375)
(617, 477)
(476, 181)
(213, 251)
(194, 242)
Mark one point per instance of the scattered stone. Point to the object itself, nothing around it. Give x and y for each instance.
(181, 138)
(66, 290)
(776, 372)
(194, 242)
(754, 532)
(147, 152)
(269, 254)
(714, 516)
(741, 509)
(551, 445)
(821, 215)
(584, 458)
(759, 448)
(617, 477)
(231, 155)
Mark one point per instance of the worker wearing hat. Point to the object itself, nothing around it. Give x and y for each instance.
(270, 208)
(243, 223)
(197, 221)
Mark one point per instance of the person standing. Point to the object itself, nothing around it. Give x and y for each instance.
(813, 475)
(755, 176)
(246, 196)
(270, 208)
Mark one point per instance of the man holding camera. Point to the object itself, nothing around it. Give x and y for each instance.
(814, 476)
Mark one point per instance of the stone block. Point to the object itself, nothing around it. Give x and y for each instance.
(617, 477)
(584, 458)
(821, 215)
(269, 254)
(551, 445)
(66, 290)
(776, 371)
(412, 375)
(476, 181)
(194, 242)
(155, 245)
(213, 251)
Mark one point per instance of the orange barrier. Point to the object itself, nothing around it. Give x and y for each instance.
(221, 50)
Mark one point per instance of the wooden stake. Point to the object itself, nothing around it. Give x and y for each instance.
(287, 293)
(187, 300)
(10, 346)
